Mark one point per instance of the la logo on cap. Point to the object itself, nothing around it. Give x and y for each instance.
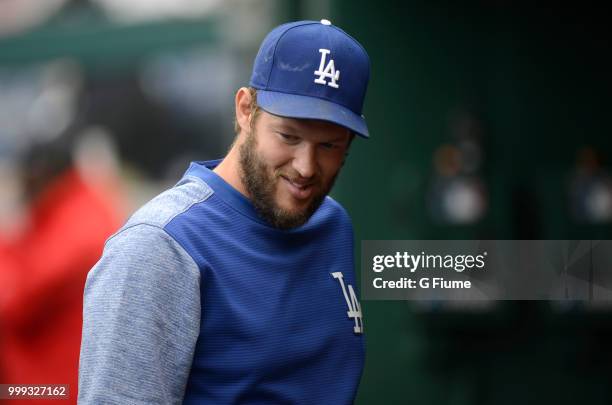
(329, 71)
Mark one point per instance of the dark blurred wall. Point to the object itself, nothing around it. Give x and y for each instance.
(531, 87)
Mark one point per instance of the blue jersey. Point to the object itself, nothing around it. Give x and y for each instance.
(198, 300)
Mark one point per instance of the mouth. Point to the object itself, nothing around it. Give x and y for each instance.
(297, 190)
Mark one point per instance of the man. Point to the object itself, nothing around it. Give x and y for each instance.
(237, 285)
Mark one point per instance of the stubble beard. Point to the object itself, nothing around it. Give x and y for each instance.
(261, 185)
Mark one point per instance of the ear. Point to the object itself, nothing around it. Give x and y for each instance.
(243, 110)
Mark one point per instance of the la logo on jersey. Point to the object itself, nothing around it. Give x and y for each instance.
(327, 71)
(354, 309)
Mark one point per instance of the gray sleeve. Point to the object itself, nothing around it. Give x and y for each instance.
(141, 320)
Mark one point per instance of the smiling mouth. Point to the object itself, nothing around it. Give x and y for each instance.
(297, 190)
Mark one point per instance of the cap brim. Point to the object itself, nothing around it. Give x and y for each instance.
(303, 107)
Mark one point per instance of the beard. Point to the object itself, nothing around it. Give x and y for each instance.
(262, 183)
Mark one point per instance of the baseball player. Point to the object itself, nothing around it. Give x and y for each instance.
(237, 285)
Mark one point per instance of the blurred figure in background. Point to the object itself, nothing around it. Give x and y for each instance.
(73, 203)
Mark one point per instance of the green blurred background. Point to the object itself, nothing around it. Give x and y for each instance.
(489, 120)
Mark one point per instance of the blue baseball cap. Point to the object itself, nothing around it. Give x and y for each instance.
(313, 70)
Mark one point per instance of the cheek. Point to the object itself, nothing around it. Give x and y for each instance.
(274, 155)
(331, 164)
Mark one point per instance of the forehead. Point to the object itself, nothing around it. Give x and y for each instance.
(303, 127)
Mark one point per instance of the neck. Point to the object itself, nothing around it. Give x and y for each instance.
(229, 168)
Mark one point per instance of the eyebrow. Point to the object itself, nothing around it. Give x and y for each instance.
(337, 139)
(283, 126)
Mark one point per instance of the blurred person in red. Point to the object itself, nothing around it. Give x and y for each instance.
(73, 205)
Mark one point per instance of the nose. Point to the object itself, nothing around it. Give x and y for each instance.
(305, 161)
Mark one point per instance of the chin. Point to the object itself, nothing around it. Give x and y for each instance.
(294, 206)
(293, 209)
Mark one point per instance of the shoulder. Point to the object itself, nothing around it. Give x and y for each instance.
(336, 210)
(333, 217)
(166, 206)
(144, 232)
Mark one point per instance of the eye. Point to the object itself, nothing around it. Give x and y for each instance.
(329, 145)
(291, 139)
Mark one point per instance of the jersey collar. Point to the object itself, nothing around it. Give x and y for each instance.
(204, 170)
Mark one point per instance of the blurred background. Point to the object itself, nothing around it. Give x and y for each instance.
(489, 120)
